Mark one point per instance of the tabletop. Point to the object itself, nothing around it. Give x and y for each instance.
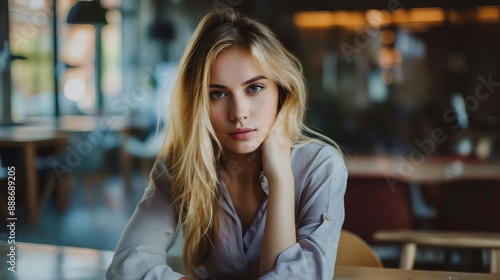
(77, 123)
(371, 273)
(49, 262)
(441, 238)
(411, 238)
(429, 170)
(28, 134)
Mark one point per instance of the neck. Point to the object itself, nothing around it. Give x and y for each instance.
(242, 169)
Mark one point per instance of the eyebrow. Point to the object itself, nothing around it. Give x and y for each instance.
(260, 77)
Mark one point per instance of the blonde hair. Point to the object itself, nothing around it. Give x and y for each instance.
(191, 149)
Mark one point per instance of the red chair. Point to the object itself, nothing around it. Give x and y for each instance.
(372, 204)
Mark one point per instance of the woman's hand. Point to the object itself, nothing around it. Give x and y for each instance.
(276, 150)
(279, 232)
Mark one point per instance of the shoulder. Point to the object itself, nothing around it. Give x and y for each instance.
(320, 177)
(159, 170)
(316, 154)
(160, 181)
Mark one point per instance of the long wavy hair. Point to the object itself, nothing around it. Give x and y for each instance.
(191, 150)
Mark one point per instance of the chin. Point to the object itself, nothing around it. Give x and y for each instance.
(244, 148)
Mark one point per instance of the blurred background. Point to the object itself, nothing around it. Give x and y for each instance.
(408, 89)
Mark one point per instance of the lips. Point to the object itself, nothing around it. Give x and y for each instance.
(241, 133)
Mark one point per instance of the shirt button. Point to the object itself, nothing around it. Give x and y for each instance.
(328, 218)
(264, 179)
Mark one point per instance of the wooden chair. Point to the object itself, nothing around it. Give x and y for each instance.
(353, 250)
(410, 239)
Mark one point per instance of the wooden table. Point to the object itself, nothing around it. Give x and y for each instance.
(370, 273)
(410, 239)
(420, 179)
(89, 124)
(434, 169)
(49, 262)
(29, 138)
(77, 123)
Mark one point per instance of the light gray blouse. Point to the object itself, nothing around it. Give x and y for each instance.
(320, 182)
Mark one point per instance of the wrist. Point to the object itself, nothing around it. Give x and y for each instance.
(280, 177)
(281, 189)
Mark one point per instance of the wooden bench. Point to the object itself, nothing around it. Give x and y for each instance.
(410, 239)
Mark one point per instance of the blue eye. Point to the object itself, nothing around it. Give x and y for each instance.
(255, 88)
(217, 94)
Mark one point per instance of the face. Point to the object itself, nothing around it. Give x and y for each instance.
(244, 102)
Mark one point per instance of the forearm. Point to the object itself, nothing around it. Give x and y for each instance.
(279, 232)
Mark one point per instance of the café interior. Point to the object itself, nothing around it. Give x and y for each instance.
(408, 89)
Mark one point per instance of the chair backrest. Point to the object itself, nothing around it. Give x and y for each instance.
(372, 204)
(353, 250)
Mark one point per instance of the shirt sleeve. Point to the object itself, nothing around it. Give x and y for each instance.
(320, 218)
(141, 252)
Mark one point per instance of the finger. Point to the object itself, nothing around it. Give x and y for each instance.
(280, 130)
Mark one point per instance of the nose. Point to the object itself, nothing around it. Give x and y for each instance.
(239, 109)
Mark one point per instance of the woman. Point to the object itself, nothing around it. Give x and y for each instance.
(255, 196)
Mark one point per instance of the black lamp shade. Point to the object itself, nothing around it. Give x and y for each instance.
(161, 30)
(87, 12)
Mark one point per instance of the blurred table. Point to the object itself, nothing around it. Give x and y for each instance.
(77, 123)
(431, 170)
(370, 273)
(49, 262)
(411, 238)
(28, 139)
(428, 186)
(100, 125)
